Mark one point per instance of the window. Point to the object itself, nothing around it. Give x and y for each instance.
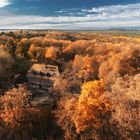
(41, 74)
(34, 73)
(48, 74)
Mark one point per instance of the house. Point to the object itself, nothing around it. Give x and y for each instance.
(42, 76)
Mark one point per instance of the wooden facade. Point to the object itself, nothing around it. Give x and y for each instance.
(42, 76)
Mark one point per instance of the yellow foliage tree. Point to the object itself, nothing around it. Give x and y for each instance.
(93, 104)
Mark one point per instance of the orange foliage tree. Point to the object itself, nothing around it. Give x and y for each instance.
(37, 53)
(85, 67)
(18, 117)
(50, 53)
(93, 105)
(12, 104)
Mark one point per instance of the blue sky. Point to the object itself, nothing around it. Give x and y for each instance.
(69, 14)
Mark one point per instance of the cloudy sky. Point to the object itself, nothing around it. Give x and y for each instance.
(70, 14)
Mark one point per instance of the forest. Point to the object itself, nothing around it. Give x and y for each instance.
(96, 98)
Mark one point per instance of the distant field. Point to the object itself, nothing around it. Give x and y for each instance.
(121, 32)
(114, 32)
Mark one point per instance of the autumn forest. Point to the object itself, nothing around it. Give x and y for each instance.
(97, 95)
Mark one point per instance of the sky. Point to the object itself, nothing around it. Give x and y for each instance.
(70, 14)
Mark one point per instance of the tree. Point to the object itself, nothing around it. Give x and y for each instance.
(93, 106)
(125, 96)
(6, 63)
(12, 104)
(23, 47)
(85, 67)
(19, 118)
(11, 47)
(37, 53)
(50, 53)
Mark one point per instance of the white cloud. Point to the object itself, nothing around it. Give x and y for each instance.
(4, 3)
(115, 11)
(116, 16)
(38, 22)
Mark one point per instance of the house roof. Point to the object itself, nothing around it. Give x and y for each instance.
(43, 68)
